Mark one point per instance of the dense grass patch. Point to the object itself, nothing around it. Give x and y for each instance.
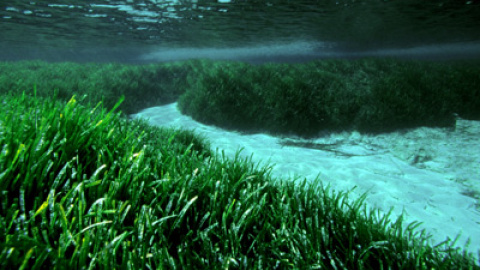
(368, 95)
(81, 187)
(142, 85)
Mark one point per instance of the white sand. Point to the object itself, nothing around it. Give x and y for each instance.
(424, 172)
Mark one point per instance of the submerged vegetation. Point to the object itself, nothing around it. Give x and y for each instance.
(83, 187)
(368, 95)
(143, 85)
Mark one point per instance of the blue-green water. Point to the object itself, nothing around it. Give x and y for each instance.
(133, 30)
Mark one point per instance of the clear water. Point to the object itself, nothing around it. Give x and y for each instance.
(127, 30)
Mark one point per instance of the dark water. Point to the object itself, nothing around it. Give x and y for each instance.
(283, 30)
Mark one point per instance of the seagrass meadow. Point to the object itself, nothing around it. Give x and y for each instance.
(85, 187)
(371, 95)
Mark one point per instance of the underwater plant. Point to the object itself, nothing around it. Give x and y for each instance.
(84, 187)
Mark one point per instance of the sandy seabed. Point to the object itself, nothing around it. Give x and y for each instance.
(431, 175)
